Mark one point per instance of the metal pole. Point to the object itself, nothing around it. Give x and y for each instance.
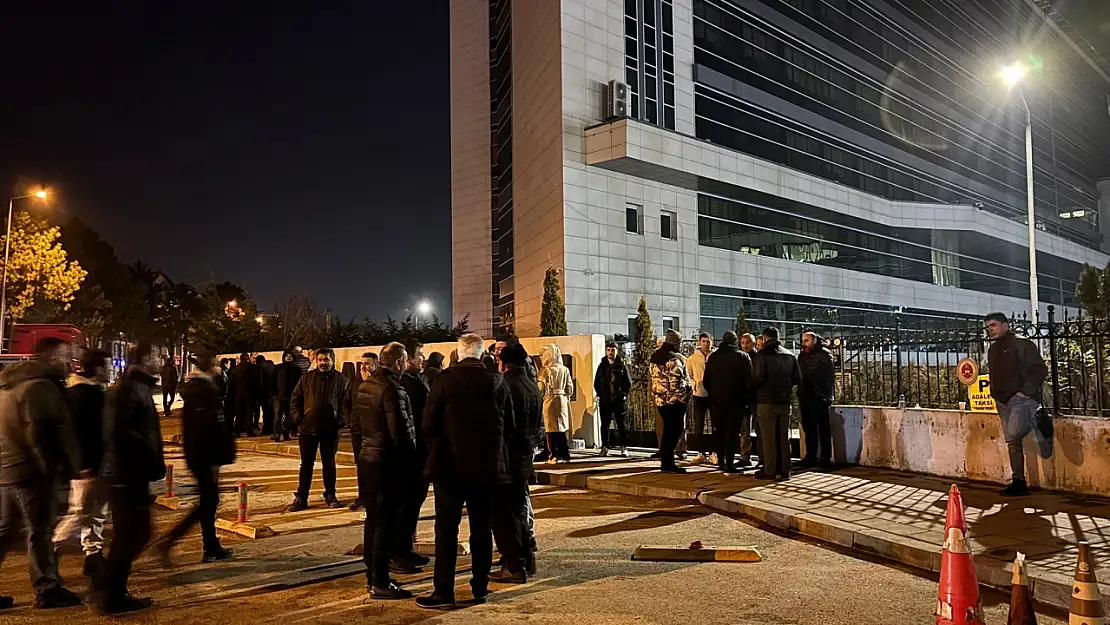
(4, 282)
(1032, 217)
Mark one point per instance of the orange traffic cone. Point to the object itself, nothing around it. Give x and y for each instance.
(1021, 600)
(958, 597)
(1086, 604)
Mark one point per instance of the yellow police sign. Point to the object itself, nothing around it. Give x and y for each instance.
(979, 395)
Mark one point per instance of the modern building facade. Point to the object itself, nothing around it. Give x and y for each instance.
(819, 163)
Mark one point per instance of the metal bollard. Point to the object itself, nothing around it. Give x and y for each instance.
(242, 503)
(169, 481)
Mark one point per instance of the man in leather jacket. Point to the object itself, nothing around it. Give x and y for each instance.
(320, 405)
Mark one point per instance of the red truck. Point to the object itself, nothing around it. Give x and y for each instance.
(25, 335)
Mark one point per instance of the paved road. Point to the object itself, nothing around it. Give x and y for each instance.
(586, 577)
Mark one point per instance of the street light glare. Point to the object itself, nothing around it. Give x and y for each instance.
(424, 308)
(232, 304)
(41, 194)
(1013, 74)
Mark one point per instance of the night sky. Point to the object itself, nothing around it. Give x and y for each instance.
(295, 150)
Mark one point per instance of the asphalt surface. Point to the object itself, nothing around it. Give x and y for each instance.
(586, 576)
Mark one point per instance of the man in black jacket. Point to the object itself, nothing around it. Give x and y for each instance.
(815, 398)
(1017, 375)
(367, 363)
(208, 445)
(728, 381)
(245, 385)
(510, 519)
(388, 449)
(38, 457)
(775, 374)
(415, 485)
(286, 375)
(465, 429)
(320, 405)
(132, 460)
(168, 382)
(266, 389)
(612, 385)
(88, 504)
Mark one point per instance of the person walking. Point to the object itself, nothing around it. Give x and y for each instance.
(320, 406)
(557, 387)
(132, 460)
(387, 452)
(88, 504)
(368, 362)
(209, 444)
(432, 369)
(511, 527)
(775, 374)
(414, 485)
(168, 381)
(286, 376)
(1017, 375)
(612, 384)
(245, 386)
(815, 398)
(38, 456)
(699, 403)
(670, 390)
(465, 428)
(728, 382)
(266, 392)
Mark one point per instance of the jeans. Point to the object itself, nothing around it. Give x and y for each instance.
(309, 445)
(614, 412)
(479, 500)
(680, 446)
(700, 407)
(817, 428)
(557, 445)
(774, 427)
(36, 504)
(381, 497)
(1019, 418)
(130, 505)
(674, 425)
(88, 509)
(208, 486)
(510, 524)
(284, 422)
(732, 423)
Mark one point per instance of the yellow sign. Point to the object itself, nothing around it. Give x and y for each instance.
(979, 395)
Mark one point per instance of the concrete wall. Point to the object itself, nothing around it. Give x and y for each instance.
(585, 350)
(970, 445)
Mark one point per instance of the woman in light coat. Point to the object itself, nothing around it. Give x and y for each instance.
(557, 387)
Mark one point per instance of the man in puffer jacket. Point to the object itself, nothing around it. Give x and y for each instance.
(775, 373)
(671, 390)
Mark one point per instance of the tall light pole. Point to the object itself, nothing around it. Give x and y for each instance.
(40, 194)
(1012, 75)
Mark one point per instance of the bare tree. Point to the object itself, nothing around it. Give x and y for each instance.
(299, 318)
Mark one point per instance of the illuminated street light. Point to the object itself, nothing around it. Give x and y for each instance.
(424, 308)
(40, 194)
(1012, 75)
(259, 319)
(232, 304)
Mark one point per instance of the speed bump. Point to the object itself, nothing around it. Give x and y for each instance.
(696, 553)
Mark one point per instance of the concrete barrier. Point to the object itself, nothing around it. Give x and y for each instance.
(970, 445)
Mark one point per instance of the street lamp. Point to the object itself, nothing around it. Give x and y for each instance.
(40, 194)
(1012, 75)
(423, 308)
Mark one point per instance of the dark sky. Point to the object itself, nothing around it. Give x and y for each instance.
(297, 147)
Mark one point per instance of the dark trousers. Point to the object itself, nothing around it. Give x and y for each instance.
(130, 505)
(309, 445)
(774, 424)
(36, 504)
(246, 413)
(208, 486)
(617, 412)
(281, 414)
(168, 395)
(479, 501)
(817, 428)
(414, 493)
(510, 524)
(268, 415)
(356, 448)
(700, 408)
(557, 446)
(380, 496)
(732, 424)
(674, 424)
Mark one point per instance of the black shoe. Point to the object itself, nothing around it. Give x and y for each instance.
(436, 602)
(125, 604)
(742, 463)
(217, 554)
(762, 475)
(530, 563)
(505, 576)
(479, 598)
(57, 597)
(782, 477)
(807, 463)
(357, 505)
(94, 565)
(297, 505)
(276, 438)
(1017, 488)
(673, 469)
(403, 567)
(332, 502)
(6, 602)
(416, 559)
(392, 592)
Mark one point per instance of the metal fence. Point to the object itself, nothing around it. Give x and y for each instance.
(919, 366)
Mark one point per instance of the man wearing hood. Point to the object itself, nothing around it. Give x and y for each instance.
(815, 398)
(671, 390)
(775, 374)
(38, 457)
(557, 386)
(286, 375)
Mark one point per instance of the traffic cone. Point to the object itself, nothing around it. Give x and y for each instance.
(1086, 604)
(1021, 600)
(958, 596)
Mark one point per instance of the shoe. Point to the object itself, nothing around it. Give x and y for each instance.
(807, 463)
(624, 452)
(761, 475)
(698, 459)
(58, 597)
(505, 576)
(94, 564)
(285, 437)
(551, 461)
(357, 505)
(392, 592)
(782, 478)
(403, 567)
(297, 505)
(125, 604)
(217, 554)
(742, 463)
(530, 563)
(604, 452)
(675, 470)
(713, 459)
(680, 455)
(478, 597)
(436, 602)
(332, 502)
(276, 438)
(6, 602)
(416, 559)
(1017, 488)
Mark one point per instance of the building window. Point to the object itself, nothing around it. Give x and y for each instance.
(632, 327)
(670, 323)
(668, 225)
(649, 60)
(634, 218)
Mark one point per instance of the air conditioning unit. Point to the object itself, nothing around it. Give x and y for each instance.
(616, 101)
